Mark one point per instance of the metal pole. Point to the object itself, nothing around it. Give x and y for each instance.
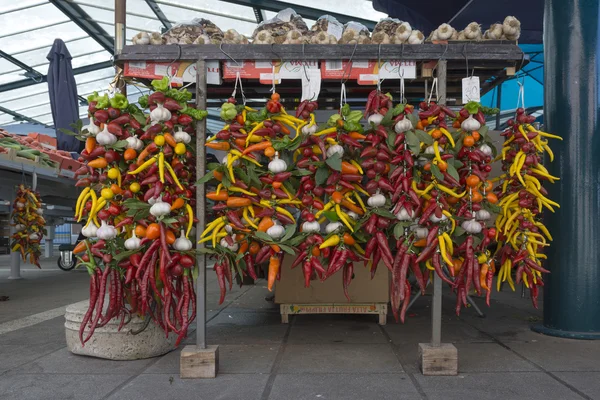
(571, 104)
(201, 94)
(498, 105)
(120, 29)
(15, 256)
(436, 307)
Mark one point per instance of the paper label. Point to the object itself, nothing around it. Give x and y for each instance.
(262, 64)
(394, 69)
(335, 30)
(311, 84)
(360, 64)
(470, 89)
(333, 65)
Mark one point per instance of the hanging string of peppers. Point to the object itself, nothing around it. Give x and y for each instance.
(137, 205)
(29, 225)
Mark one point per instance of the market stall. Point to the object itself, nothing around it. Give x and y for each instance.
(448, 62)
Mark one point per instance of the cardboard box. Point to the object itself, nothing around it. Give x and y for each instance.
(290, 289)
(181, 72)
(263, 70)
(68, 167)
(367, 72)
(46, 141)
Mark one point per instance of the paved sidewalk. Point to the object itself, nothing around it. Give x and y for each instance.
(314, 357)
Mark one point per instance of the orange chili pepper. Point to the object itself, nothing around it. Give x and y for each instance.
(348, 168)
(274, 265)
(80, 247)
(98, 163)
(153, 231)
(243, 247)
(357, 136)
(90, 144)
(284, 129)
(170, 140)
(178, 203)
(170, 236)
(223, 146)
(236, 202)
(352, 207)
(420, 243)
(240, 142)
(348, 239)
(222, 196)
(218, 175)
(265, 223)
(257, 147)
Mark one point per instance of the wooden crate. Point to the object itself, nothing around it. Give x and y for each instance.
(379, 309)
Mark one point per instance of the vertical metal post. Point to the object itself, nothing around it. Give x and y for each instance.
(498, 106)
(201, 94)
(436, 307)
(120, 30)
(571, 104)
(15, 257)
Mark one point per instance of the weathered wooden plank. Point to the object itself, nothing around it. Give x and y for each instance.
(438, 360)
(473, 51)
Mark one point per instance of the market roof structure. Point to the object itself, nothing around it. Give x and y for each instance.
(87, 28)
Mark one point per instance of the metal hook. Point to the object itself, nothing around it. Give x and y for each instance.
(349, 67)
(169, 76)
(278, 56)
(441, 57)
(304, 65)
(228, 56)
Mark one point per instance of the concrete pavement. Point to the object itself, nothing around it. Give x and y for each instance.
(314, 357)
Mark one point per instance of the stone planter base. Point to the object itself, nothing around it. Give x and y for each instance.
(107, 342)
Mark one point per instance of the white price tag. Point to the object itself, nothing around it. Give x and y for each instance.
(470, 89)
(311, 84)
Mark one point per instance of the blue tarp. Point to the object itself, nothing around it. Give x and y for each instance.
(532, 78)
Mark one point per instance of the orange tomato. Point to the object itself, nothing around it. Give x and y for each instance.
(240, 142)
(170, 236)
(153, 231)
(456, 265)
(275, 97)
(473, 181)
(337, 197)
(452, 200)
(456, 124)
(269, 151)
(442, 165)
(476, 135)
(491, 197)
(477, 197)
(489, 185)
(276, 185)
(468, 141)
(130, 154)
(140, 231)
(427, 167)
(315, 251)
(436, 134)
(424, 123)
(419, 126)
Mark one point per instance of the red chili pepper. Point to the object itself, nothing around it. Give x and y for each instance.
(427, 213)
(219, 269)
(299, 259)
(235, 220)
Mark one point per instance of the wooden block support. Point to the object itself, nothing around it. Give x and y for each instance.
(379, 309)
(199, 363)
(438, 360)
(510, 71)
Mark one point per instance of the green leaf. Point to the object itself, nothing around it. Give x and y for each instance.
(206, 178)
(483, 131)
(213, 165)
(384, 213)
(287, 249)
(424, 137)
(388, 118)
(321, 175)
(226, 181)
(493, 208)
(301, 172)
(206, 250)
(413, 142)
(135, 204)
(334, 162)
(398, 231)
(472, 107)
(289, 232)
(391, 139)
(436, 172)
(457, 163)
(452, 171)
(263, 236)
(119, 145)
(476, 241)
(331, 215)
(413, 119)
(458, 231)
(124, 254)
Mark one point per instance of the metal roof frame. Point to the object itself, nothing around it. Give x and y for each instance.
(86, 23)
(159, 13)
(21, 117)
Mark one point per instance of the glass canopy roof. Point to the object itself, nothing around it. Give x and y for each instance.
(29, 28)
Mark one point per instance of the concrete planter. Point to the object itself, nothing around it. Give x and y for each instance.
(107, 342)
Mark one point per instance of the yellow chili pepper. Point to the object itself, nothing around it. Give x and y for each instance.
(161, 166)
(286, 213)
(326, 131)
(332, 241)
(338, 211)
(173, 175)
(143, 166)
(190, 219)
(240, 190)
